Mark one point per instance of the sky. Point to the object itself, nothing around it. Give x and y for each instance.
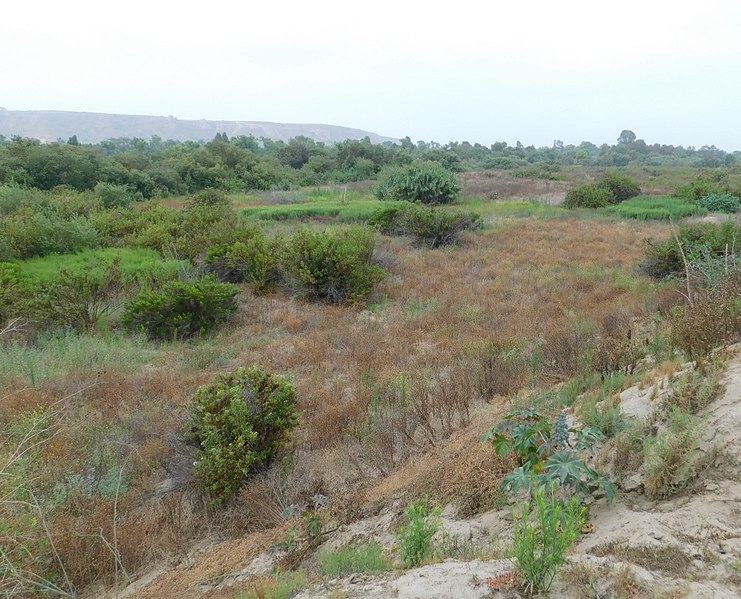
(484, 71)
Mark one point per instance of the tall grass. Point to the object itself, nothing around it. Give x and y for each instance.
(64, 352)
(649, 207)
(136, 264)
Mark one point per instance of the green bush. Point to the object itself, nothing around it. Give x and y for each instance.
(239, 421)
(545, 529)
(420, 182)
(719, 202)
(621, 186)
(429, 227)
(254, 260)
(209, 198)
(179, 310)
(414, 539)
(588, 196)
(113, 196)
(694, 190)
(335, 265)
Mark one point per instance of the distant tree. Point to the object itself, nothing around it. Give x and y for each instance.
(72, 141)
(627, 137)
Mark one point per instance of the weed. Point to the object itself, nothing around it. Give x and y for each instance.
(545, 527)
(414, 537)
(281, 585)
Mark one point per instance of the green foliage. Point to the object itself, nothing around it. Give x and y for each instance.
(588, 196)
(414, 538)
(648, 207)
(667, 457)
(282, 585)
(354, 557)
(696, 189)
(620, 185)
(209, 198)
(602, 414)
(719, 202)
(548, 453)
(335, 265)
(239, 421)
(702, 243)
(113, 196)
(545, 528)
(253, 260)
(421, 182)
(181, 309)
(429, 227)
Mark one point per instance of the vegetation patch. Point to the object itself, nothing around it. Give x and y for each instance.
(648, 207)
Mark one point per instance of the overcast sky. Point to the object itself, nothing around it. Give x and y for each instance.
(483, 71)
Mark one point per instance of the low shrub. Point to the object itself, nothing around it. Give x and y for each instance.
(713, 320)
(588, 196)
(420, 182)
(545, 527)
(719, 202)
(180, 310)
(414, 538)
(667, 457)
(621, 186)
(238, 422)
(694, 190)
(254, 261)
(335, 265)
(429, 227)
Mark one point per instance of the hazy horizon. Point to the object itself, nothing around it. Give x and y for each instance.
(534, 73)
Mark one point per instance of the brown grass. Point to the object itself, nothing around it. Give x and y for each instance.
(544, 287)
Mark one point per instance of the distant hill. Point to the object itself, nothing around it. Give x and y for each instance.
(92, 127)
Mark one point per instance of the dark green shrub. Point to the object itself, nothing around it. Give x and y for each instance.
(334, 265)
(179, 310)
(588, 196)
(113, 196)
(239, 421)
(430, 227)
(621, 186)
(209, 198)
(421, 182)
(719, 202)
(255, 261)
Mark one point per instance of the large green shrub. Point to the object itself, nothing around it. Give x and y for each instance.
(239, 421)
(335, 265)
(181, 309)
(253, 259)
(694, 190)
(719, 202)
(621, 186)
(422, 182)
(113, 196)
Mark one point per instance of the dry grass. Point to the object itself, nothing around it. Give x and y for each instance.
(547, 288)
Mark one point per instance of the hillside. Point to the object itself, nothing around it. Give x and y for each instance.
(93, 127)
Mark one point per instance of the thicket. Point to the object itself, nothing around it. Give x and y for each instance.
(719, 202)
(239, 422)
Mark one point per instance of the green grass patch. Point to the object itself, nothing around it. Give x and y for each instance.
(282, 585)
(649, 207)
(317, 204)
(137, 264)
(353, 558)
